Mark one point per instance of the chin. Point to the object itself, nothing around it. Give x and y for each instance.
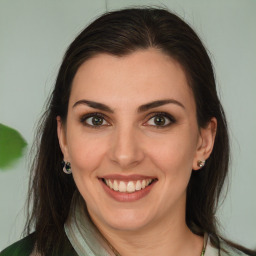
(127, 220)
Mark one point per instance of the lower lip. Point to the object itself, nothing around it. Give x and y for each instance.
(127, 197)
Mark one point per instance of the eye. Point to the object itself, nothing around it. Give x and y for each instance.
(95, 120)
(160, 120)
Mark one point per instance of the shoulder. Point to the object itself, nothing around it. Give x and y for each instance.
(225, 250)
(23, 247)
(231, 251)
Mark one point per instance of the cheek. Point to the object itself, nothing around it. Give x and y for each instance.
(174, 155)
(85, 151)
(86, 154)
(175, 160)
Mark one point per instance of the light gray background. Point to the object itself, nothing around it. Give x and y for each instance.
(33, 38)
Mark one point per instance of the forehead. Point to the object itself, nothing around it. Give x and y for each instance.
(144, 75)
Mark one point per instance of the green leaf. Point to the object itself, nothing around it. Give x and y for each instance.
(11, 146)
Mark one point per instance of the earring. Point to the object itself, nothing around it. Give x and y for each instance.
(66, 167)
(200, 163)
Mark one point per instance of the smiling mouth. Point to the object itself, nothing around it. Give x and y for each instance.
(128, 186)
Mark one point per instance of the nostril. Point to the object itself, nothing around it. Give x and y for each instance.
(126, 157)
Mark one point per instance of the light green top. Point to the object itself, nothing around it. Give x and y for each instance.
(227, 250)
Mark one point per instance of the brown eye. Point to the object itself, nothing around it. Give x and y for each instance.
(94, 120)
(97, 120)
(160, 120)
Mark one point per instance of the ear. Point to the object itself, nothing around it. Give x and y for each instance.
(205, 143)
(61, 131)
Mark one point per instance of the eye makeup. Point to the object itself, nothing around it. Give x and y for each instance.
(94, 120)
(159, 120)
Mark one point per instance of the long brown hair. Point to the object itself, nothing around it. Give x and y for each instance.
(120, 33)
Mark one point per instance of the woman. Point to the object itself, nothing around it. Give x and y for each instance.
(135, 119)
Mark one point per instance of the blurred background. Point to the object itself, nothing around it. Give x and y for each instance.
(33, 38)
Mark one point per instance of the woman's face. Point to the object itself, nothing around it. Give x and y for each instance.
(132, 139)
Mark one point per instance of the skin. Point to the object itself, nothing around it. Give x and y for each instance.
(130, 142)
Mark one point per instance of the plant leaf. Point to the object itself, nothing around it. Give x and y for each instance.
(12, 145)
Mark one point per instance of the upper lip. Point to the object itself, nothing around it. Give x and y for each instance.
(126, 177)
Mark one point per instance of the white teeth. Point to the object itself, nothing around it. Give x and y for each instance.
(122, 187)
(110, 184)
(115, 185)
(130, 186)
(143, 184)
(138, 185)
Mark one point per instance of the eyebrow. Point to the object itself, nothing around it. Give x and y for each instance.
(158, 103)
(142, 108)
(94, 104)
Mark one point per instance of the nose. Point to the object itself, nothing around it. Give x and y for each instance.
(126, 148)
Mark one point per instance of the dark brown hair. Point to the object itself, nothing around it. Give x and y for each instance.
(120, 33)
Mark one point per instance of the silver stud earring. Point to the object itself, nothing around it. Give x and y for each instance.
(200, 163)
(66, 167)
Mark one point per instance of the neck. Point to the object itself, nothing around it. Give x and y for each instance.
(163, 243)
(168, 237)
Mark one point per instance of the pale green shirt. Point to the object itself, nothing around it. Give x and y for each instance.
(228, 250)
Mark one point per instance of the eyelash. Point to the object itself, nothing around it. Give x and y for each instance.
(171, 119)
(89, 115)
